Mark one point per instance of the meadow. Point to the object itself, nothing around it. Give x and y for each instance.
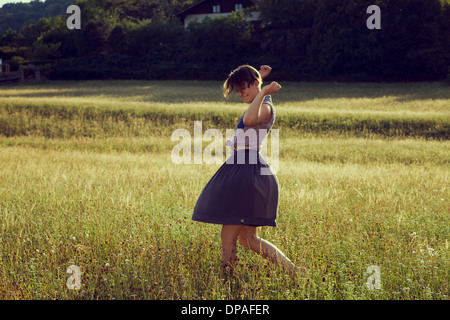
(86, 179)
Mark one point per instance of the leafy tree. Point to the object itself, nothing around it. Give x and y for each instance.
(117, 40)
(216, 46)
(412, 39)
(286, 30)
(10, 38)
(41, 51)
(338, 31)
(336, 44)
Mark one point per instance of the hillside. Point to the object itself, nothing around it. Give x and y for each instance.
(18, 15)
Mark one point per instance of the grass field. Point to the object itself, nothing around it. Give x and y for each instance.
(86, 179)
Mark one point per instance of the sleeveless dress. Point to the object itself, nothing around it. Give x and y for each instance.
(244, 191)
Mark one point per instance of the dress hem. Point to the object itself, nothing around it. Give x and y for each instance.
(257, 222)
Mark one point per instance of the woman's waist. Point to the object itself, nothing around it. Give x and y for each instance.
(239, 148)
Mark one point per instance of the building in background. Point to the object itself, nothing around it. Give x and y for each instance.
(216, 8)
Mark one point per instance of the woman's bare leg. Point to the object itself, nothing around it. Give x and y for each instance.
(249, 239)
(229, 236)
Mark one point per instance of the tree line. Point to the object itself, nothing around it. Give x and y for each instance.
(14, 16)
(308, 40)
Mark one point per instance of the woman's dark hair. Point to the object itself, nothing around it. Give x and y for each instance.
(244, 75)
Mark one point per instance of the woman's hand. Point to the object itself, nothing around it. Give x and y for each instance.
(264, 71)
(271, 88)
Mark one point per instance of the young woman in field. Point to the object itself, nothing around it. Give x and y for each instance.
(239, 196)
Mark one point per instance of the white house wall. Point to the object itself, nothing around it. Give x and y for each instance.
(253, 16)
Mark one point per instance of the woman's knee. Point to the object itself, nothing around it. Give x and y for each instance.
(230, 234)
(247, 235)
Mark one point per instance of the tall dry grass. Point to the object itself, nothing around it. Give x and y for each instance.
(87, 180)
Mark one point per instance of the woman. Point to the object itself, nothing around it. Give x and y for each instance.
(239, 196)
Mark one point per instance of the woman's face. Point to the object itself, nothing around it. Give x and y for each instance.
(248, 93)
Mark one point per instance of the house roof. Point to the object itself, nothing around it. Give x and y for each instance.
(186, 11)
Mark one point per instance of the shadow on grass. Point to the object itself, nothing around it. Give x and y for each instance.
(210, 91)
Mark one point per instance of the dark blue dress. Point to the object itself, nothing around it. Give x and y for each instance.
(241, 192)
